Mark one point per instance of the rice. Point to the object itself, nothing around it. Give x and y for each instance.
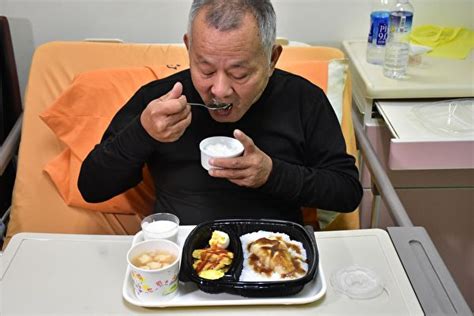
(250, 275)
(220, 149)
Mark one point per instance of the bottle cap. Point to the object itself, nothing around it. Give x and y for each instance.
(357, 282)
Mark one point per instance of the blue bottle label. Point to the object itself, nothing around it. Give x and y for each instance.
(379, 27)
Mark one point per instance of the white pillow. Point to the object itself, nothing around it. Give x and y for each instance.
(337, 75)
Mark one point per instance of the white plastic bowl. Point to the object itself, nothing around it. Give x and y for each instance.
(219, 147)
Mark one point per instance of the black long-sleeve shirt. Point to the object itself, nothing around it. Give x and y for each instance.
(292, 122)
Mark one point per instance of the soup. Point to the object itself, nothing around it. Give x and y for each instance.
(153, 260)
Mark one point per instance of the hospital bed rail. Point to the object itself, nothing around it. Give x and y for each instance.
(7, 153)
(432, 282)
(10, 145)
(11, 118)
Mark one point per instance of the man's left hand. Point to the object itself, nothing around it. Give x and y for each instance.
(250, 170)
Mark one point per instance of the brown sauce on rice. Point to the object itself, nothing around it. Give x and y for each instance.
(268, 256)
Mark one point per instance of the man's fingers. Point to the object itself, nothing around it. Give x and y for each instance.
(249, 146)
(179, 116)
(174, 132)
(183, 124)
(169, 107)
(174, 93)
(230, 174)
(229, 163)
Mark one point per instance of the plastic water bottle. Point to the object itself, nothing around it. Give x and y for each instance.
(398, 48)
(379, 24)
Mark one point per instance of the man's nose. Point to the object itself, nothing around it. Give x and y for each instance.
(221, 87)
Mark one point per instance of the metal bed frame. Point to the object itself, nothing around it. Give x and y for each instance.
(10, 120)
(434, 286)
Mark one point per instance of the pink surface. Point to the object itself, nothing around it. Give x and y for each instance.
(431, 155)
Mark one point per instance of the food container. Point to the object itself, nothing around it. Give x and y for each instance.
(199, 238)
(161, 226)
(159, 283)
(219, 147)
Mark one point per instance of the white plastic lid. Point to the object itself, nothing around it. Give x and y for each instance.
(448, 117)
(357, 282)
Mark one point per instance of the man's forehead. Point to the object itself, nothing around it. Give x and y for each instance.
(237, 62)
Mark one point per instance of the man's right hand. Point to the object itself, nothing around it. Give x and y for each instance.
(167, 117)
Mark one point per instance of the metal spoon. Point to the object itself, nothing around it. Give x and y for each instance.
(213, 106)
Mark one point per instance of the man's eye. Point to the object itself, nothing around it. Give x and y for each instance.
(240, 76)
(207, 73)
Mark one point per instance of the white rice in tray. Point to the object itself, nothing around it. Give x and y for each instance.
(250, 275)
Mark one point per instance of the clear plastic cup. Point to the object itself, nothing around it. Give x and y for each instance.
(161, 226)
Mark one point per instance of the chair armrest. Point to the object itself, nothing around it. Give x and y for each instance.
(10, 145)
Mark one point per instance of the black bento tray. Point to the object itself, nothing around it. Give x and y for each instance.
(199, 238)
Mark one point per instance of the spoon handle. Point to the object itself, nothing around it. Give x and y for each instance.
(210, 107)
(199, 104)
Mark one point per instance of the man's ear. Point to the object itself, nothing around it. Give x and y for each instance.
(186, 40)
(276, 52)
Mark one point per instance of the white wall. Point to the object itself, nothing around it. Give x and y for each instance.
(320, 22)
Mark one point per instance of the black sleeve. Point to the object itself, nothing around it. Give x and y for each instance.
(329, 177)
(116, 164)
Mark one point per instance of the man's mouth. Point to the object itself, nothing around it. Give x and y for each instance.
(224, 112)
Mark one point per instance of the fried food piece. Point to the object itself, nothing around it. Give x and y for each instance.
(211, 274)
(211, 263)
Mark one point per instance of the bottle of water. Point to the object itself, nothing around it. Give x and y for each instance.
(379, 23)
(398, 48)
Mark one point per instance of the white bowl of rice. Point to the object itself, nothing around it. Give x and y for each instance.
(219, 147)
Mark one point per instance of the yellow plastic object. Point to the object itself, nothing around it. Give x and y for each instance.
(448, 42)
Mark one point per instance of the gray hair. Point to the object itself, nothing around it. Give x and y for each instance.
(226, 15)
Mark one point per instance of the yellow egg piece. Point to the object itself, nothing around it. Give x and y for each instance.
(219, 239)
(211, 274)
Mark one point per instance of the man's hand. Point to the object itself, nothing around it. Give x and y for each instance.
(250, 170)
(166, 118)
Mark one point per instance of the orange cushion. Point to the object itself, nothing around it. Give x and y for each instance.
(80, 116)
(315, 71)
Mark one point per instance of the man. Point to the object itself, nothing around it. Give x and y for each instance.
(294, 149)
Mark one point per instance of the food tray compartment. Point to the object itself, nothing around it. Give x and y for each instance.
(200, 238)
(230, 283)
